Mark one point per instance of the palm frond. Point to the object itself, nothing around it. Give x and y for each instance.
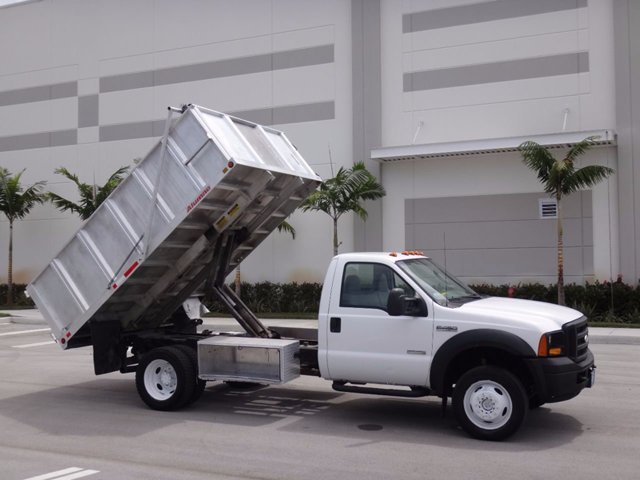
(585, 177)
(91, 196)
(538, 159)
(580, 148)
(286, 227)
(17, 202)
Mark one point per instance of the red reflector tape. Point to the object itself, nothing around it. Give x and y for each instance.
(131, 269)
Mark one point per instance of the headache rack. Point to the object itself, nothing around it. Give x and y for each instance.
(208, 193)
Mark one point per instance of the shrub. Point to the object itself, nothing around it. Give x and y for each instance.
(604, 302)
(19, 297)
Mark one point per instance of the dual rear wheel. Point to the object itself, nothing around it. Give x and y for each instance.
(167, 378)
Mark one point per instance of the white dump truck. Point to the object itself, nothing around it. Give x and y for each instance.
(389, 323)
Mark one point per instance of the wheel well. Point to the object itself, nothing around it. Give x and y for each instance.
(475, 357)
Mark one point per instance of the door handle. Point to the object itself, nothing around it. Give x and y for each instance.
(335, 324)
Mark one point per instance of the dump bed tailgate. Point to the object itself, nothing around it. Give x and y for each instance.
(146, 247)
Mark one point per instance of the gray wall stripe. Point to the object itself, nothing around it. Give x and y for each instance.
(38, 94)
(218, 69)
(39, 140)
(310, 112)
(483, 12)
(564, 64)
(88, 111)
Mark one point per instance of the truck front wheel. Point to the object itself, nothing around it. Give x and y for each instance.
(490, 403)
(165, 378)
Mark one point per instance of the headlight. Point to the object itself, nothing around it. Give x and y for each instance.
(552, 344)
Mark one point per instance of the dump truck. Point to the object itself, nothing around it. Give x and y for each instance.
(391, 323)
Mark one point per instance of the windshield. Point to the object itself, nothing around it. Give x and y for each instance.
(434, 280)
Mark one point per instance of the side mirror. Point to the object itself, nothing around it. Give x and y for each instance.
(399, 304)
(395, 302)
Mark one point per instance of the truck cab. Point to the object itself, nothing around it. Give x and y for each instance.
(400, 319)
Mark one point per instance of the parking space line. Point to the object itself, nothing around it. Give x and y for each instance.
(29, 345)
(66, 474)
(22, 332)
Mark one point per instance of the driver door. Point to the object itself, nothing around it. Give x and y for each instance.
(365, 343)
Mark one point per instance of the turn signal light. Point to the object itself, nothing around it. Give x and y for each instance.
(552, 344)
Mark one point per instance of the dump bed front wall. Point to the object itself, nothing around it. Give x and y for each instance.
(210, 174)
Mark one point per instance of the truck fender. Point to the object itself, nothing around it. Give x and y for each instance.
(471, 339)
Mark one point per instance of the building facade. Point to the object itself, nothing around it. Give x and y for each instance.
(434, 95)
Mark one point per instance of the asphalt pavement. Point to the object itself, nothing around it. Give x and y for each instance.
(597, 335)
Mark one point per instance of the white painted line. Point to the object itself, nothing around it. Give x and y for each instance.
(48, 476)
(29, 345)
(22, 332)
(66, 474)
(83, 473)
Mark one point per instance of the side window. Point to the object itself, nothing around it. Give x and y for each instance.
(367, 285)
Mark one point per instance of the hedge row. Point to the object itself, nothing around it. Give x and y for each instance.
(19, 298)
(611, 302)
(603, 302)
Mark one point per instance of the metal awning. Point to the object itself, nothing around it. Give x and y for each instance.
(487, 146)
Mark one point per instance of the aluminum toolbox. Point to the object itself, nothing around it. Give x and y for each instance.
(263, 360)
(144, 250)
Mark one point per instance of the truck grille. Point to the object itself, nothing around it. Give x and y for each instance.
(577, 335)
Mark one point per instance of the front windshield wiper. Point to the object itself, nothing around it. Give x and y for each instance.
(475, 296)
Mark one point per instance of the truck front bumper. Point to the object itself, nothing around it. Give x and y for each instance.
(559, 379)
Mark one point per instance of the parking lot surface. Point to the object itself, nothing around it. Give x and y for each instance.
(60, 422)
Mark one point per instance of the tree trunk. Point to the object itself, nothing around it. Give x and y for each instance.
(560, 255)
(335, 236)
(10, 267)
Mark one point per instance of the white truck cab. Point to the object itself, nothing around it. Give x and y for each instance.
(400, 319)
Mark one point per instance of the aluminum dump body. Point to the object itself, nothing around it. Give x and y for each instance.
(145, 248)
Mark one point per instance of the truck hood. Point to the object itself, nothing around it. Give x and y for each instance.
(528, 313)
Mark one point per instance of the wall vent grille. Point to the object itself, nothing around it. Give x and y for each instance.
(548, 208)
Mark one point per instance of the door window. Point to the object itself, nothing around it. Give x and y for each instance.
(367, 285)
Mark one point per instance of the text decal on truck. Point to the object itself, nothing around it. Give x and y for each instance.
(200, 196)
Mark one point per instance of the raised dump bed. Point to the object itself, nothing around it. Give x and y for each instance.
(158, 236)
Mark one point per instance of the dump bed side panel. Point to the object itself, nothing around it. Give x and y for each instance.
(147, 244)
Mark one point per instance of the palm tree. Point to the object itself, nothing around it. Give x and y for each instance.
(16, 202)
(559, 178)
(344, 193)
(91, 196)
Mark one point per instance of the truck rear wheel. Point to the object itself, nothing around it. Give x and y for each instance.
(200, 385)
(490, 403)
(165, 378)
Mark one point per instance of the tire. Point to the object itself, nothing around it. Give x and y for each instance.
(490, 403)
(200, 384)
(165, 379)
